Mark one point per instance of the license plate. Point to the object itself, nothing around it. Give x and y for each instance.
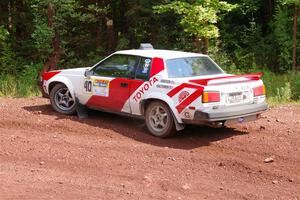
(236, 97)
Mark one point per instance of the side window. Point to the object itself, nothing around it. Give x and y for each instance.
(143, 69)
(117, 66)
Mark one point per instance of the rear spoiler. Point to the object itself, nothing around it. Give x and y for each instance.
(229, 79)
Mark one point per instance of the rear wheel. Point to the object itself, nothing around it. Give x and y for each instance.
(159, 120)
(62, 100)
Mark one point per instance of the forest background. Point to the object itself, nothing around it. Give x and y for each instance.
(243, 36)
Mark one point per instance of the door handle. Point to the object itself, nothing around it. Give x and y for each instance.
(124, 85)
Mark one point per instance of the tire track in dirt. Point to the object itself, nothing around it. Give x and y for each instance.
(45, 155)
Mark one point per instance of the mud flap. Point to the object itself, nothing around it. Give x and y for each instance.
(82, 111)
(178, 126)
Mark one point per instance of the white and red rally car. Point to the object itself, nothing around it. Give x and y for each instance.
(167, 88)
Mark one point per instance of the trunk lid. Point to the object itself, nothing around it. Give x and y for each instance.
(233, 89)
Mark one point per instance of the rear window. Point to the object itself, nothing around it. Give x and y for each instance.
(192, 66)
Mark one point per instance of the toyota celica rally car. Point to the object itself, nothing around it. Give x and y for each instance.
(166, 88)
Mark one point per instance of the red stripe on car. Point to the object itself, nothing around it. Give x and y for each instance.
(48, 75)
(174, 91)
(157, 66)
(189, 100)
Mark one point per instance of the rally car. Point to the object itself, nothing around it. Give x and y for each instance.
(166, 88)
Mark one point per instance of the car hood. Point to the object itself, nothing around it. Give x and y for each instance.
(74, 71)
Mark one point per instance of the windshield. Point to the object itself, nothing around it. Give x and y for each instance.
(192, 66)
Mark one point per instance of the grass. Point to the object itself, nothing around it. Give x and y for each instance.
(10, 86)
(281, 88)
(273, 103)
(22, 85)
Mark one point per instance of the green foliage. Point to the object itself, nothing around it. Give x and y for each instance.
(198, 19)
(284, 94)
(123, 43)
(25, 84)
(7, 56)
(254, 35)
(294, 79)
(287, 2)
(8, 85)
(43, 33)
(3, 34)
(282, 88)
(7, 61)
(42, 36)
(221, 57)
(283, 33)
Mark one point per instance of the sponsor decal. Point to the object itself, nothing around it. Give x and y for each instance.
(146, 66)
(187, 115)
(101, 87)
(164, 86)
(167, 81)
(183, 95)
(98, 87)
(144, 88)
(190, 99)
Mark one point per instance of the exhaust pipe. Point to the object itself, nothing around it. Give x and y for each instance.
(219, 124)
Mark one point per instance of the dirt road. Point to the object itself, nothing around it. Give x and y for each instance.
(45, 155)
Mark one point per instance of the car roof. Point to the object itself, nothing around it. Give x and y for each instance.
(165, 54)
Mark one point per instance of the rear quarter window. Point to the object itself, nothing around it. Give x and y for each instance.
(143, 69)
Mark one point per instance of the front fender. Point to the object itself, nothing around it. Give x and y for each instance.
(65, 81)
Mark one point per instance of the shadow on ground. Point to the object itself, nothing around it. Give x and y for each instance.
(191, 137)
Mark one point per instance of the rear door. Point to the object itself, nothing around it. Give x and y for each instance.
(142, 75)
(110, 82)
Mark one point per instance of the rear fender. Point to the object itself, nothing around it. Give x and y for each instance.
(164, 98)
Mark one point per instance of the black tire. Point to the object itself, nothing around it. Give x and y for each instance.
(159, 120)
(62, 100)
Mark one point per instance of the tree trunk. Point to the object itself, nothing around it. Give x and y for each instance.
(201, 45)
(197, 43)
(110, 35)
(54, 58)
(205, 46)
(295, 26)
(10, 23)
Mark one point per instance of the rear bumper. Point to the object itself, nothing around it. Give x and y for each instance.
(40, 84)
(236, 114)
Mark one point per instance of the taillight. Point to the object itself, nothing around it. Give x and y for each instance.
(259, 91)
(209, 97)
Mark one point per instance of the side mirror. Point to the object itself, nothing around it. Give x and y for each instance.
(88, 73)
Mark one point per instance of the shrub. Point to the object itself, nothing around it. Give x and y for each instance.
(282, 88)
(21, 85)
(8, 85)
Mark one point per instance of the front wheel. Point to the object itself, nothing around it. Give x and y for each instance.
(159, 120)
(62, 100)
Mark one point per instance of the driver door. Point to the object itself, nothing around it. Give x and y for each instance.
(110, 82)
